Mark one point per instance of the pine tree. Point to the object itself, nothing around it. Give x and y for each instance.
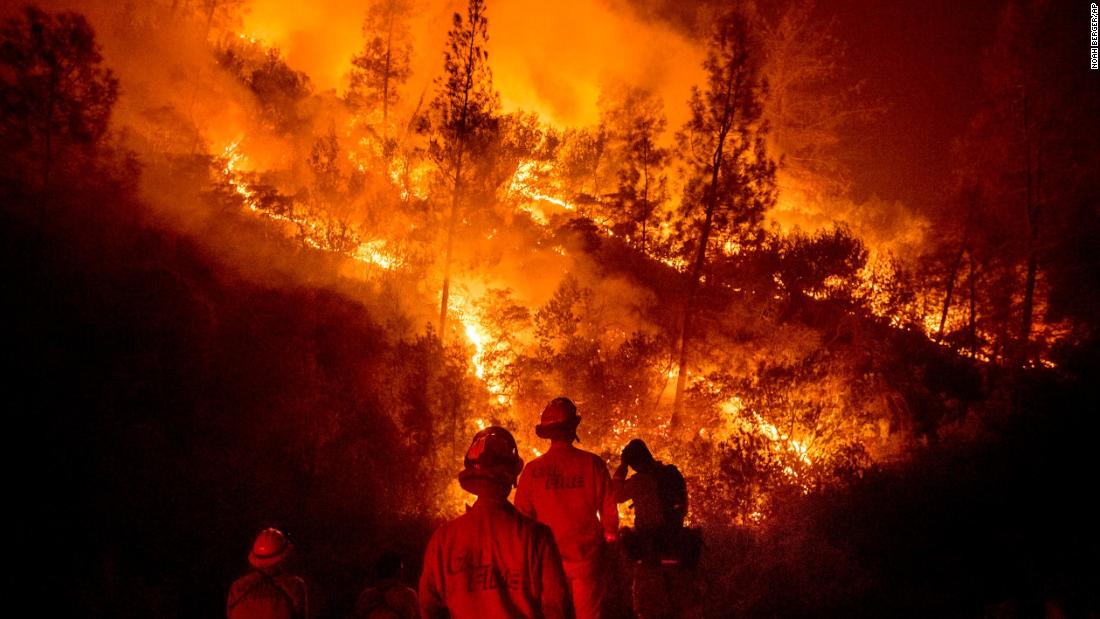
(462, 121)
(810, 102)
(731, 179)
(54, 89)
(1030, 153)
(383, 65)
(636, 122)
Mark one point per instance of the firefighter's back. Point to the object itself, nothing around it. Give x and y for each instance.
(566, 488)
(258, 595)
(488, 561)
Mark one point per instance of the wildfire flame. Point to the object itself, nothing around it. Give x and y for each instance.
(477, 332)
(523, 185)
(371, 252)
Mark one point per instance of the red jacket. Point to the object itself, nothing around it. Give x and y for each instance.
(570, 490)
(493, 562)
(262, 595)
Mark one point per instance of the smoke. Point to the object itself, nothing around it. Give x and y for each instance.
(886, 227)
(550, 58)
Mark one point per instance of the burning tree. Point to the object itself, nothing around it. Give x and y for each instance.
(1022, 189)
(462, 121)
(730, 179)
(54, 90)
(383, 66)
(810, 101)
(635, 122)
(329, 197)
(581, 162)
(278, 89)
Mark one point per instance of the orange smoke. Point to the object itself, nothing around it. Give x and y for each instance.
(551, 58)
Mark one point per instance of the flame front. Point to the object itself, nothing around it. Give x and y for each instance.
(373, 186)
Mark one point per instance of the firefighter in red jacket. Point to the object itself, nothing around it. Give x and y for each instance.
(267, 591)
(493, 561)
(570, 490)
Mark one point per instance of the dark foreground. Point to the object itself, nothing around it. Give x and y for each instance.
(164, 407)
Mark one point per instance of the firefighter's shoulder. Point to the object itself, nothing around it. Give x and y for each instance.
(594, 459)
(441, 532)
(537, 529)
(295, 584)
(523, 520)
(243, 583)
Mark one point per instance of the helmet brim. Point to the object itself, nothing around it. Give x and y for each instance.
(561, 430)
(259, 561)
(474, 481)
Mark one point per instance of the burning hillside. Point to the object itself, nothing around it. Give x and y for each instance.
(414, 222)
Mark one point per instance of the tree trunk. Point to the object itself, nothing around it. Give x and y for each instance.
(47, 158)
(600, 138)
(452, 221)
(1033, 205)
(952, 275)
(972, 315)
(711, 199)
(386, 86)
(1029, 301)
(956, 265)
(696, 273)
(645, 193)
(460, 144)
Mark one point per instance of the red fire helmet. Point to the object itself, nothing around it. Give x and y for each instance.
(559, 420)
(494, 456)
(269, 549)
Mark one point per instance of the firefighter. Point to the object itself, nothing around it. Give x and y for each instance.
(569, 490)
(267, 591)
(389, 597)
(663, 552)
(493, 561)
(657, 489)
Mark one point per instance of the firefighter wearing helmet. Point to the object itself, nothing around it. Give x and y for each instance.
(493, 561)
(267, 591)
(569, 489)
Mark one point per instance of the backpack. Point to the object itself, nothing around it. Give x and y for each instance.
(672, 495)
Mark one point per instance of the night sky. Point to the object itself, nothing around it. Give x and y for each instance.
(922, 60)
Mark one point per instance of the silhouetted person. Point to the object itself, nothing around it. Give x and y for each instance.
(493, 561)
(663, 552)
(389, 597)
(570, 490)
(267, 591)
(657, 490)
